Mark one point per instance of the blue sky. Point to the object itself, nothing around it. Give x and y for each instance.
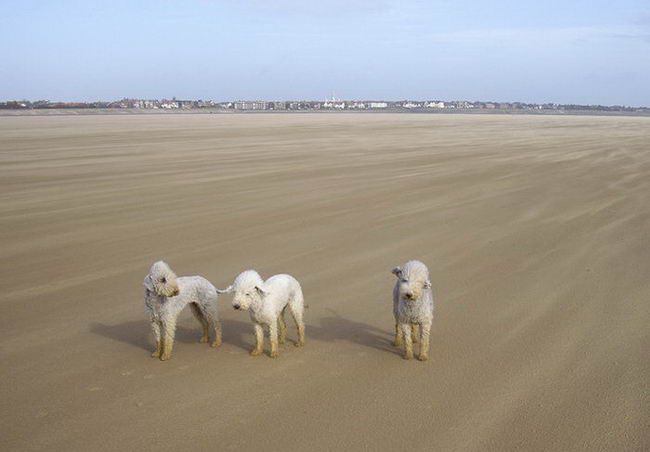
(570, 51)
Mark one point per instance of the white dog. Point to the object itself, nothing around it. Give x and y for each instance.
(165, 296)
(266, 302)
(412, 307)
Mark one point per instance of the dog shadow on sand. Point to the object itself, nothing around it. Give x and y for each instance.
(334, 327)
(138, 333)
(328, 329)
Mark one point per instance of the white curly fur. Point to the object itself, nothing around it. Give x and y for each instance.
(412, 307)
(165, 296)
(266, 302)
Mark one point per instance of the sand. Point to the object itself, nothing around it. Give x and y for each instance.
(536, 231)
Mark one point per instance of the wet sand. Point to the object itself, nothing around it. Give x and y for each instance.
(536, 231)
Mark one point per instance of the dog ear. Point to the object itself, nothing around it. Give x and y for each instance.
(148, 284)
(260, 291)
(397, 271)
(427, 284)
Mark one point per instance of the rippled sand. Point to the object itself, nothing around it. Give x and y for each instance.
(536, 231)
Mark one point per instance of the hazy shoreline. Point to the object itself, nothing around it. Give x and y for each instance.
(206, 111)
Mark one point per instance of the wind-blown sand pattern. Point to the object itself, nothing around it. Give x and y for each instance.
(536, 231)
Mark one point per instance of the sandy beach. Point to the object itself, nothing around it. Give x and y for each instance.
(536, 231)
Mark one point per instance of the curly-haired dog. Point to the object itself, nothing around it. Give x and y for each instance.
(266, 302)
(165, 296)
(412, 307)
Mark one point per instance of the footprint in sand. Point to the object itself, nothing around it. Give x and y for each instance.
(94, 388)
(126, 372)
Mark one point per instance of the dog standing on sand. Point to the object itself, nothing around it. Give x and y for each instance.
(165, 296)
(266, 302)
(412, 307)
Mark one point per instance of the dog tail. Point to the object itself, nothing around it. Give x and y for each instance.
(226, 290)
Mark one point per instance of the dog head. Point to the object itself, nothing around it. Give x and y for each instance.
(161, 280)
(412, 280)
(248, 289)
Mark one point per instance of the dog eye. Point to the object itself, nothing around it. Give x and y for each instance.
(163, 280)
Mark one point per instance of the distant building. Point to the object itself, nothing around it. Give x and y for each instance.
(250, 105)
(338, 105)
(377, 104)
(435, 105)
(168, 104)
(185, 104)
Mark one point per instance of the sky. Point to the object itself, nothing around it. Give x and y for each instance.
(569, 51)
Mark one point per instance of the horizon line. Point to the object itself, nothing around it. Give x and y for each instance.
(175, 99)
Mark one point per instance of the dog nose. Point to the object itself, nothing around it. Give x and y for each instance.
(236, 306)
(409, 295)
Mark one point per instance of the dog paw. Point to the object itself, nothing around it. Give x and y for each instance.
(215, 344)
(256, 352)
(203, 340)
(155, 355)
(164, 357)
(408, 356)
(423, 357)
(299, 344)
(273, 354)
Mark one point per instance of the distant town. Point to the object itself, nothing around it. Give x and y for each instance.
(326, 105)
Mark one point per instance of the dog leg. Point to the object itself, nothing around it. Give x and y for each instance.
(168, 333)
(398, 336)
(211, 314)
(424, 342)
(259, 340)
(196, 310)
(408, 340)
(155, 327)
(273, 336)
(301, 335)
(296, 313)
(414, 332)
(217, 334)
(282, 327)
